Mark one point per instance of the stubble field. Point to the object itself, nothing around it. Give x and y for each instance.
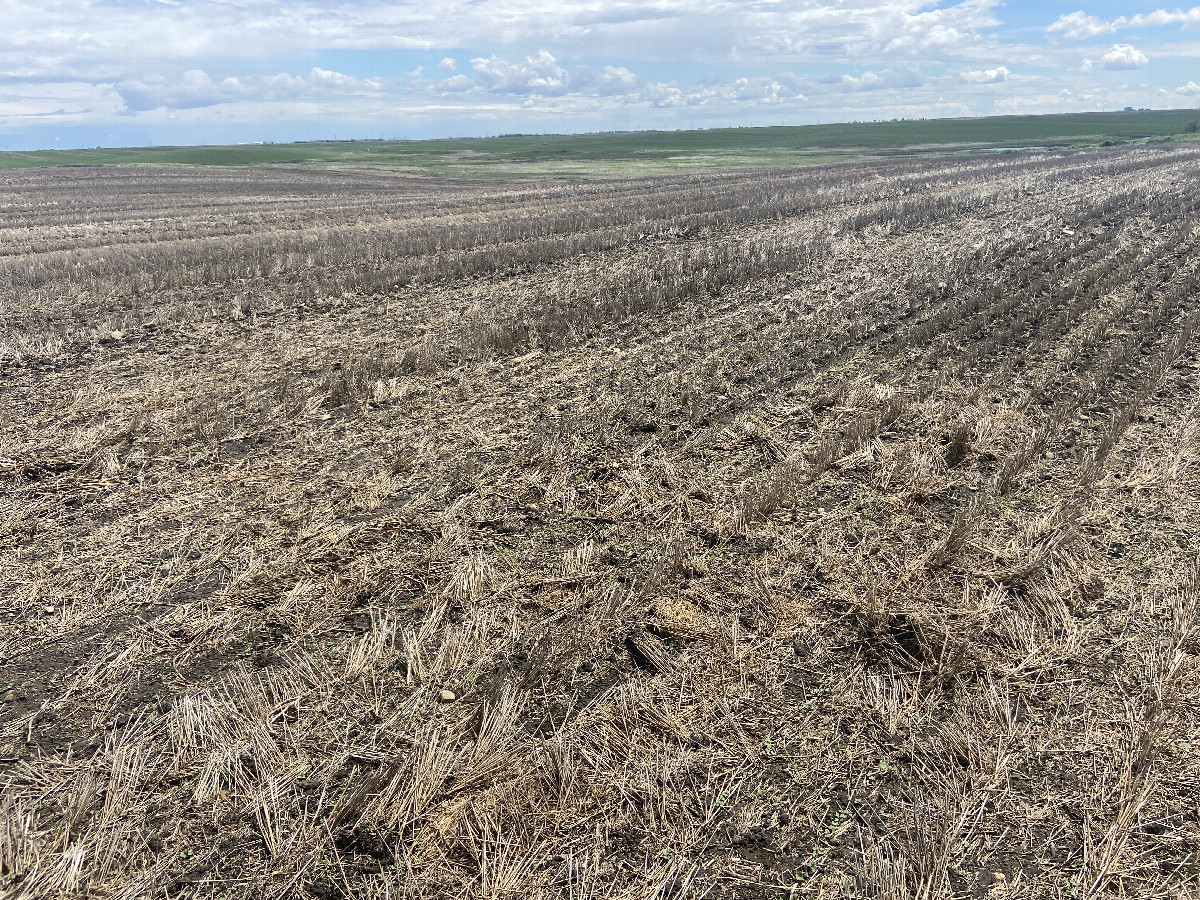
(827, 532)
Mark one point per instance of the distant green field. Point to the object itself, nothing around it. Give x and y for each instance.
(653, 151)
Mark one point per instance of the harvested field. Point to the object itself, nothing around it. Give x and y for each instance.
(828, 532)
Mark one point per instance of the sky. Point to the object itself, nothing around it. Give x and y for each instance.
(86, 73)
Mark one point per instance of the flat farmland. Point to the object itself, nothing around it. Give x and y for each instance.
(814, 532)
(617, 153)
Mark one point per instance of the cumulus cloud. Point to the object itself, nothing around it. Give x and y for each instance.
(866, 82)
(784, 87)
(1162, 17)
(1191, 89)
(742, 92)
(457, 84)
(1086, 65)
(862, 29)
(1124, 56)
(539, 74)
(1080, 26)
(663, 95)
(947, 28)
(1034, 104)
(985, 76)
(448, 64)
(617, 80)
(317, 83)
(875, 81)
(542, 76)
(340, 82)
(195, 88)
(609, 81)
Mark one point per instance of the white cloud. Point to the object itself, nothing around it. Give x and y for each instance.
(1086, 65)
(457, 84)
(617, 80)
(786, 87)
(1080, 26)
(985, 76)
(874, 81)
(195, 88)
(416, 73)
(740, 92)
(317, 82)
(64, 101)
(609, 81)
(542, 77)
(862, 29)
(664, 95)
(448, 64)
(1028, 105)
(191, 89)
(1191, 89)
(251, 111)
(539, 74)
(868, 81)
(337, 81)
(1124, 56)
(1165, 17)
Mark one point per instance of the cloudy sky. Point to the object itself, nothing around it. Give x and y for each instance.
(137, 72)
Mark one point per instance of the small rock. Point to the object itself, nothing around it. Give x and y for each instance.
(49, 610)
(118, 335)
(447, 696)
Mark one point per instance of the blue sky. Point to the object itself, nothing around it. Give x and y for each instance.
(135, 72)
